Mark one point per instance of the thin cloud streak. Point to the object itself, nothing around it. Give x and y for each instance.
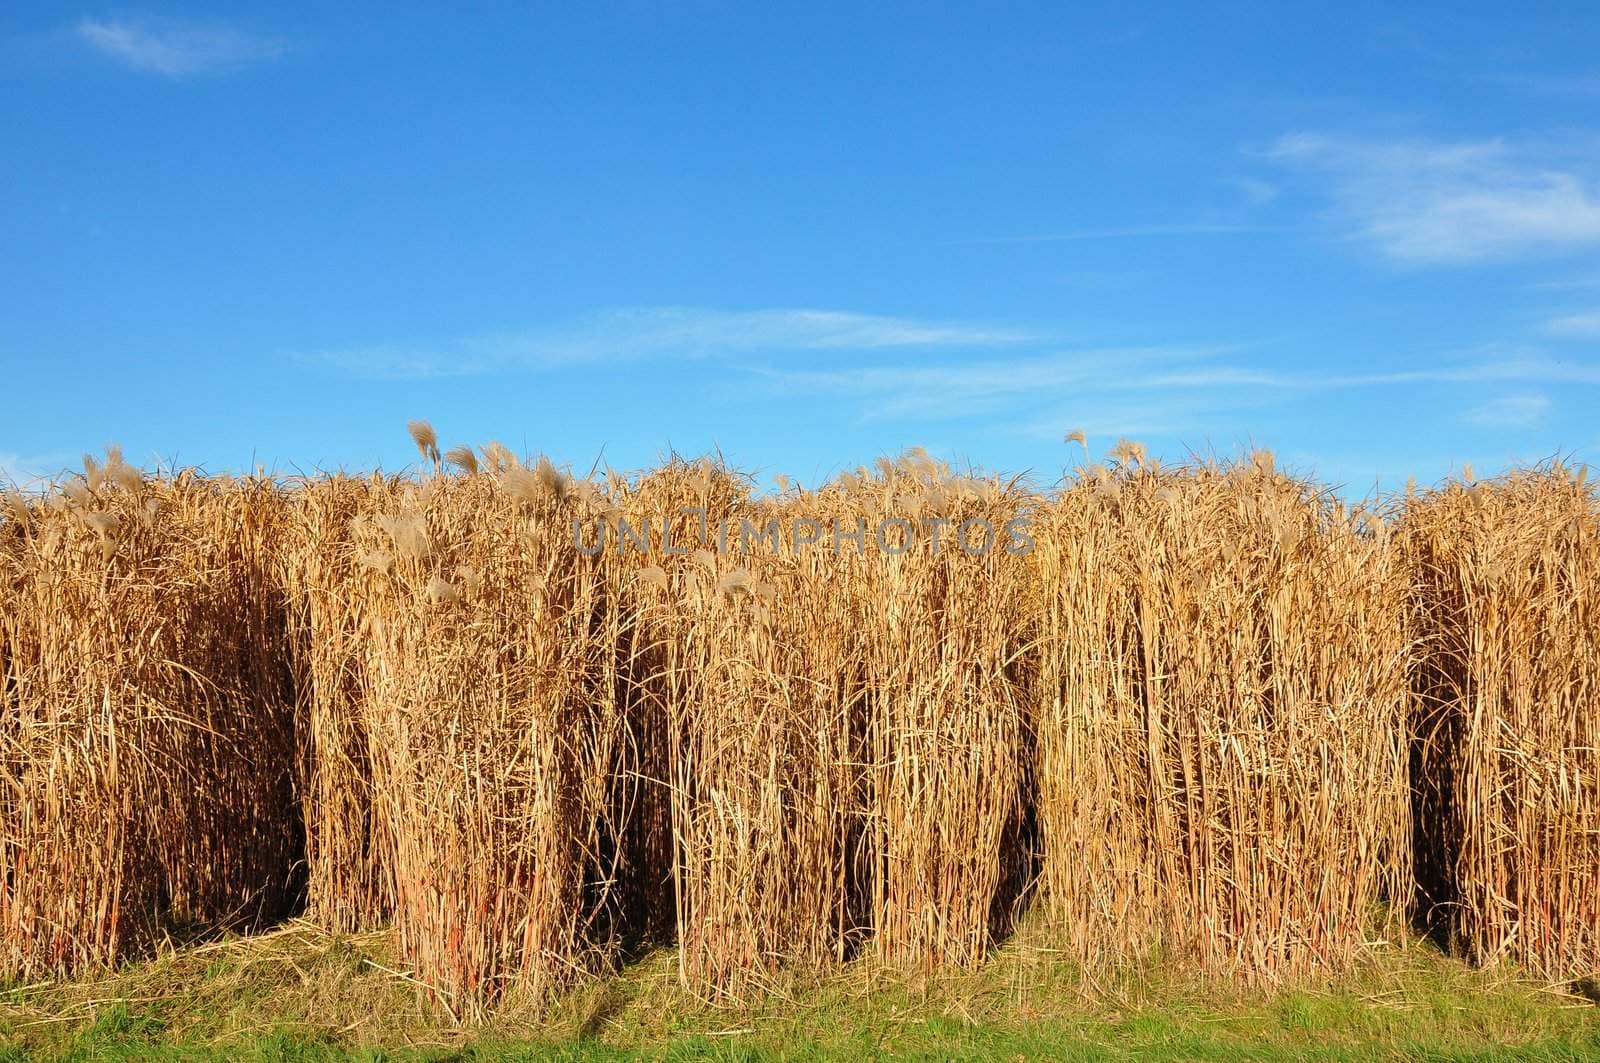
(1569, 284)
(1133, 369)
(1160, 388)
(660, 332)
(1103, 421)
(1512, 369)
(980, 387)
(1511, 412)
(1124, 232)
(1571, 85)
(1585, 326)
(177, 49)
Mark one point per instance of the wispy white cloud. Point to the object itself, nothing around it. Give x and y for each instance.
(1584, 326)
(661, 332)
(984, 386)
(177, 48)
(1148, 390)
(1452, 202)
(1554, 84)
(1511, 412)
(921, 389)
(1255, 191)
(1103, 420)
(1567, 284)
(1103, 279)
(1124, 232)
(1535, 368)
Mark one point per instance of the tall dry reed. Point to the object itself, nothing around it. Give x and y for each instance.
(1222, 766)
(752, 684)
(349, 869)
(945, 635)
(1505, 605)
(489, 702)
(148, 718)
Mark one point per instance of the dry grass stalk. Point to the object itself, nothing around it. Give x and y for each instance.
(350, 878)
(1506, 610)
(944, 636)
(148, 719)
(750, 682)
(1221, 755)
(490, 711)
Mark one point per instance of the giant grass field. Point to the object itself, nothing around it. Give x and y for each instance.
(487, 733)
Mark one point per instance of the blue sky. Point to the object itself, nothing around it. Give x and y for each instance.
(1366, 236)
